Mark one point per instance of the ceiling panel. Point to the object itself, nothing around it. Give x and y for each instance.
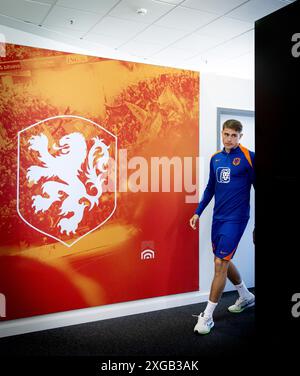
(226, 27)
(108, 41)
(174, 54)
(43, 1)
(244, 41)
(195, 61)
(117, 27)
(138, 49)
(160, 35)
(231, 49)
(182, 33)
(186, 19)
(175, 2)
(255, 9)
(24, 10)
(127, 9)
(76, 34)
(96, 6)
(61, 16)
(215, 6)
(198, 42)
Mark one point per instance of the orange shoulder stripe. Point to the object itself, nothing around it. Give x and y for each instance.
(217, 152)
(246, 154)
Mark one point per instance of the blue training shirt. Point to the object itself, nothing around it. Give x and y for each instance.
(230, 178)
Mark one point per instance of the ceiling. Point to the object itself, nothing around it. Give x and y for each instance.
(205, 35)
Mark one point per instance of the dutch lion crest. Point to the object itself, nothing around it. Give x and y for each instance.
(66, 166)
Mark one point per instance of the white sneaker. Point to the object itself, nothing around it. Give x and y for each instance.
(204, 324)
(242, 303)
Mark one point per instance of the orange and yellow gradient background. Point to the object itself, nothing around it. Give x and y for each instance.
(153, 111)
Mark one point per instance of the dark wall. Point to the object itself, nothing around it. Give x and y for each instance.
(277, 109)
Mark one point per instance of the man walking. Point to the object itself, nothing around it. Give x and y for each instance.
(230, 178)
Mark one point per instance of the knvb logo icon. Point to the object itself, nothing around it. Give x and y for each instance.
(223, 175)
(2, 305)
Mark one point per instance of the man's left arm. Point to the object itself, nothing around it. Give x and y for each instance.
(252, 156)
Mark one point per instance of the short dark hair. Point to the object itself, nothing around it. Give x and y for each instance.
(233, 124)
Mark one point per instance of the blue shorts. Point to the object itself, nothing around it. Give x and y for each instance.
(225, 237)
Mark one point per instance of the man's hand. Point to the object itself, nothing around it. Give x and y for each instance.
(193, 221)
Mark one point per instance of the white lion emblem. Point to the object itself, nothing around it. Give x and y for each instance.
(66, 166)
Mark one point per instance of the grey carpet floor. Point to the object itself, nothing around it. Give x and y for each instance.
(167, 332)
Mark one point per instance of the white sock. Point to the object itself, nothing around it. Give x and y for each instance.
(209, 310)
(242, 290)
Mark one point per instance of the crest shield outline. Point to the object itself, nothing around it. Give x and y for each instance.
(46, 190)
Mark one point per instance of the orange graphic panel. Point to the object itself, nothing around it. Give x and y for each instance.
(93, 198)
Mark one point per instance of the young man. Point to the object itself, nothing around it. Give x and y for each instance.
(230, 178)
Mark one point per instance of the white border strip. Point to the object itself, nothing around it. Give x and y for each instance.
(80, 316)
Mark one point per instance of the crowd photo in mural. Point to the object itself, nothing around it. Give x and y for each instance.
(95, 204)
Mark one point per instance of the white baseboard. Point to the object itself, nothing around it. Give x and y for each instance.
(80, 316)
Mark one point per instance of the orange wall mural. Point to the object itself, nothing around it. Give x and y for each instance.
(94, 156)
